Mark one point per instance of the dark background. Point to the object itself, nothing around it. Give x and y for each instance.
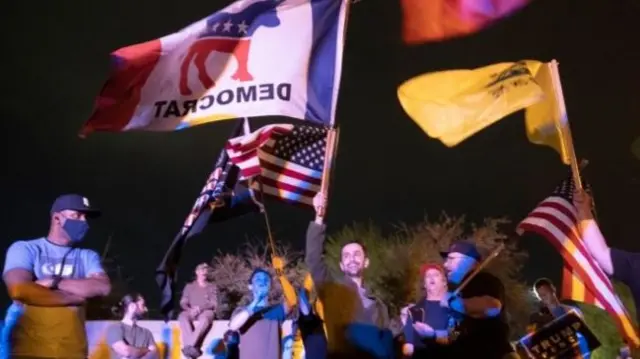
(55, 60)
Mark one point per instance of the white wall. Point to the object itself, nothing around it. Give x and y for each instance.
(168, 338)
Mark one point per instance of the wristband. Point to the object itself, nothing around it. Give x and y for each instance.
(56, 281)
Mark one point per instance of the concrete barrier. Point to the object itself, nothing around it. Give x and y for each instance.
(169, 339)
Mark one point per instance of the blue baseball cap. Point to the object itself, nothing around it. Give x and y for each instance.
(467, 248)
(75, 202)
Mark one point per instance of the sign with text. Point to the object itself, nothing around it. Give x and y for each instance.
(566, 337)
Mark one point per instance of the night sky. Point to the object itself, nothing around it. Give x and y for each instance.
(55, 60)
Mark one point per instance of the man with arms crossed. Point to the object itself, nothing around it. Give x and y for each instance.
(126, 339)
(51, 278)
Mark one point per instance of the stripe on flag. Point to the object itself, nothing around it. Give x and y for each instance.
(555, 218)
(573, 288)
(251, 58)
(286, 160)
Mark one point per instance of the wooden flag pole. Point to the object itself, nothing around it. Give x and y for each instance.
(333, 134)
(329, 158)
(246, 129)
(562, 124)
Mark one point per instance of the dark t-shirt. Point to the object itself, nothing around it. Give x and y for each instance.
(540, 318)
(313, 337)
(132, 335)
(431, 313)
(626, 269)
(486, 338)
(543, 317)
(260, 336)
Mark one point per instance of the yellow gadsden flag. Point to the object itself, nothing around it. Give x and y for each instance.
(454, 105)
(546, 121)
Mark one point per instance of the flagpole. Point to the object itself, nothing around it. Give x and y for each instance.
(329, 158)
(167, 272)
(246, 124)
(107, 247)
(333, 133)
(263, 207)
(583, 164)
(566, 139)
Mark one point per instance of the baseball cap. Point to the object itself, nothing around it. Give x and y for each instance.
(74, 202)
(463, 247)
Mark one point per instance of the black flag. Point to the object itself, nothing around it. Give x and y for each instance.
(222, 198)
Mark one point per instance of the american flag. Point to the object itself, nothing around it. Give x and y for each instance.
(555, 218)
(286, 161)
(222, 198)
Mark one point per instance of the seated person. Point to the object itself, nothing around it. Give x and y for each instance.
(199, 301)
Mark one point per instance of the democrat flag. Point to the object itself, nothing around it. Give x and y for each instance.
(252, 58)
(555, 219)
(285, 162)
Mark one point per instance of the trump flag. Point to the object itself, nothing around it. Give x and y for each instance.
(252, 58)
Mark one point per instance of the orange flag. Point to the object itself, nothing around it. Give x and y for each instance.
(436, 20)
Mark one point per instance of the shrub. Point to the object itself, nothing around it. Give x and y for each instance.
(604, 328)
(231, 274)
(394, 263)
(393, 272)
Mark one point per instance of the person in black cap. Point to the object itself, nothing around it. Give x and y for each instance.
(479, 307)
(50, 278)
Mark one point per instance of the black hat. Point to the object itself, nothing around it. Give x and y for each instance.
(463, 247)
(74, 202)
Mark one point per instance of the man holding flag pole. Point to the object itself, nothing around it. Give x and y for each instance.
(225, 66)
(624, 262)
(563, 223)
(620, 265)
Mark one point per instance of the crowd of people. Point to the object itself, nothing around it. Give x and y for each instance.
(463, 313)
